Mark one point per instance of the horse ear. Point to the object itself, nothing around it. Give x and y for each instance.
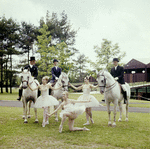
(22, 69)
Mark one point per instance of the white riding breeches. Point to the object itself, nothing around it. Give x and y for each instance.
(124, 87)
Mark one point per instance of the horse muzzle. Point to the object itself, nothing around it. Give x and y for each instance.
(24, 87)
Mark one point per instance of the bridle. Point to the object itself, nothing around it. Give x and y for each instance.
(27, 81)
(111, 86)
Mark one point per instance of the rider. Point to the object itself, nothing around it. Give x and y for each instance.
(56, 71)
(118, 73)
(34, 72)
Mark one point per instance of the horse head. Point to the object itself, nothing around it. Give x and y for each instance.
(25, 77)
(101, 79)
(64, 80)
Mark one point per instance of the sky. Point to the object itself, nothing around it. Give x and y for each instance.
(124, 22)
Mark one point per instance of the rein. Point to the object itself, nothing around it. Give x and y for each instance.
(111, 86)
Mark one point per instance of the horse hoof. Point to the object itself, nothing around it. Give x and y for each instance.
(25, 122)
(109, 124)
(114, 125)
(127, 120)
(23, 117)
(56, 119)
(36, 122)
(29, 116)
(119, 120)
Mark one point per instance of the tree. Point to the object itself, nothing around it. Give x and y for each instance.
(46, 52)
(49, 52)
(80, 67)
(60, 30)
(9, 37)
(105, 54)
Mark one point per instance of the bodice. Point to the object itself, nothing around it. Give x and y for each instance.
(86, 90)
(44, 90)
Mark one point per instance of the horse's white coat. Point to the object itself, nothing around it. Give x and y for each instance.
(112, 93)
(64, 80)
(28, 93)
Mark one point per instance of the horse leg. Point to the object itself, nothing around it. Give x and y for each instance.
(23, 110)
(29, 116)
(36, 119)
(120, 109)
(127, 108)
(56, 116)
(115, 111)
(109, 112)
(25, 120)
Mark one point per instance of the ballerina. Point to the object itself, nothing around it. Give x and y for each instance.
(86, 96)
(71, 110)
(45, 100)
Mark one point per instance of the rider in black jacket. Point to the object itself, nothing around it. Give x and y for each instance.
(34, 72)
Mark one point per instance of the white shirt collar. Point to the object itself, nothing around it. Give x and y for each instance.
(31, 66)
(116, 67)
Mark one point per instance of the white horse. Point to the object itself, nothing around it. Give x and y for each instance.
(28, 95)
(112, 93)
(58, 94)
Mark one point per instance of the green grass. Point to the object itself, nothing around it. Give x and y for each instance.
(15, 134)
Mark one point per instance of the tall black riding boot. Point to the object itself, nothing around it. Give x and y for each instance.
(50, 91)
(20, 94)
(125, 97)
(39, 92)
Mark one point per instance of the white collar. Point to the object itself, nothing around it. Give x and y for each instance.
(31, 65)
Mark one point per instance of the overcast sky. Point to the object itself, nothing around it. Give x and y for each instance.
(124, 22)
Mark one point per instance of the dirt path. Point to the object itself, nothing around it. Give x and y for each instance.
(6, 103)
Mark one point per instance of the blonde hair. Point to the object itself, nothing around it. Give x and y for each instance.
(46, 78)
(66, 93)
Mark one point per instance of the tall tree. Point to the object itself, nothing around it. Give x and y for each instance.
(80, 67)
(9, 37)
(105, 54)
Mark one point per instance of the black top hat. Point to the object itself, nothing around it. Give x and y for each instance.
(32, 58)
(55, 60)
(115, 59)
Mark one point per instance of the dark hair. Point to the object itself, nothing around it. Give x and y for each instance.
(87, 77)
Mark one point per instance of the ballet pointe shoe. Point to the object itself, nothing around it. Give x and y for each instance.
(87, 123)
(85, 129)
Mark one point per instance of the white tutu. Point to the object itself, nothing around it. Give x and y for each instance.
(45, 101)
(74, 109)
(86, 97)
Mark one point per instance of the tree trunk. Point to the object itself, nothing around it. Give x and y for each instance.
(10, 73)
(1, 75)
(6, 80)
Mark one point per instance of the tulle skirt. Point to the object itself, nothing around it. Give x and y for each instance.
(45, 101)
(74, 109)
(94, 102)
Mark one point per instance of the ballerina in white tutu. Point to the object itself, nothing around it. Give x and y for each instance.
(86, 96)
(71, 110)
(45, 100)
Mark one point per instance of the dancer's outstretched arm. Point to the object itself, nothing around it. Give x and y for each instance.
(59, 107)
(33, 89)
(53, 88)
(92, 86)
(81, 101)
(76, 88)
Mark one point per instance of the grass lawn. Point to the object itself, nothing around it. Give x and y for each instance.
(15, 134)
